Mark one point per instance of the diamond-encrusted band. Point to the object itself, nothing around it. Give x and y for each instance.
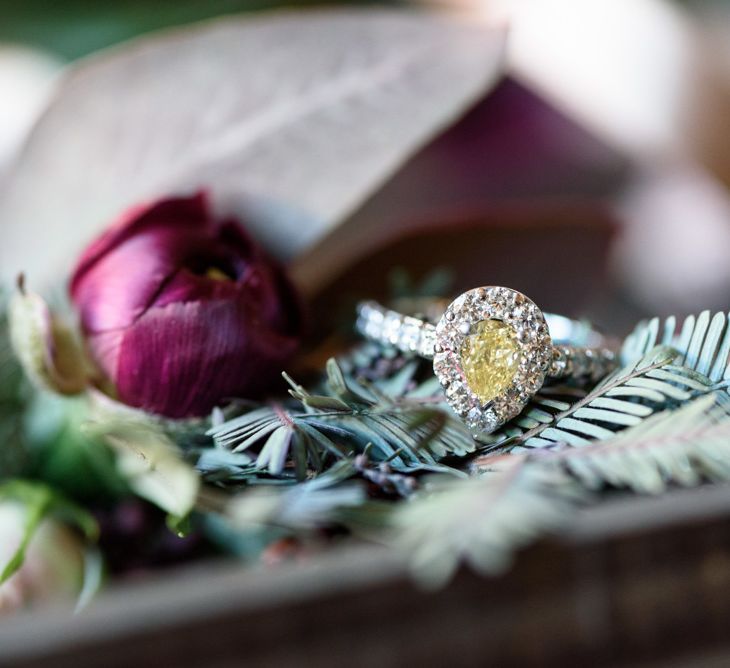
(572, 356)
(492, 349)
(390, 328)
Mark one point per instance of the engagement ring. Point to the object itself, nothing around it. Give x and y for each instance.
(492, 350)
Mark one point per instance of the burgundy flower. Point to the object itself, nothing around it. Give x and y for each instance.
(182, 311)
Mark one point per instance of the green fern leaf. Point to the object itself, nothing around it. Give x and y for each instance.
(324, 501)
(683, 446)
(395, 418)
(481, 521)
(654, 382)
(702, 343)
(625, 398)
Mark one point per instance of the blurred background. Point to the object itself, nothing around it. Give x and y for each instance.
(594, 175)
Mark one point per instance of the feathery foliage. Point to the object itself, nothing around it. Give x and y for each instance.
(702, 343)
(404, 425)
(483, 520)
(680, 447)
(367, 449)
(330, 499)
(653, 383)
(662, 419)
(517, 498)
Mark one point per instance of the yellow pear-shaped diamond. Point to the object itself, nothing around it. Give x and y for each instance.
(489, 358)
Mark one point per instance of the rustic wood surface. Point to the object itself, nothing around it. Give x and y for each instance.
(635, 581)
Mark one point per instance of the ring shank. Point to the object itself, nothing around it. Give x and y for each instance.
(573, 332)
(578, 349)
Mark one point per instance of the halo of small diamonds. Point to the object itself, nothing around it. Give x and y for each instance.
(534, 352)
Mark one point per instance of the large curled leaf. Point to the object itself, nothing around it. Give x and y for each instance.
(291, 118)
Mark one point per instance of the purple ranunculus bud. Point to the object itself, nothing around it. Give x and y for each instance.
(183, 311)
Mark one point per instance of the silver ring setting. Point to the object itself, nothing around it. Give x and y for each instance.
(492, 351)
(521, 347)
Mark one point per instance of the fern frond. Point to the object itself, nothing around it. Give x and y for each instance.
(280, 433)
(683, 447)
(651, 384)
(393, 419)
(549, 402)
(328, 500)
(481, 521)
(702, 342)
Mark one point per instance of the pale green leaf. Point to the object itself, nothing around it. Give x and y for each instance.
(152, 464)
(47, 349)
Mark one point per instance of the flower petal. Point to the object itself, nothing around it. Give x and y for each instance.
(179, 211)
(185, 358)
